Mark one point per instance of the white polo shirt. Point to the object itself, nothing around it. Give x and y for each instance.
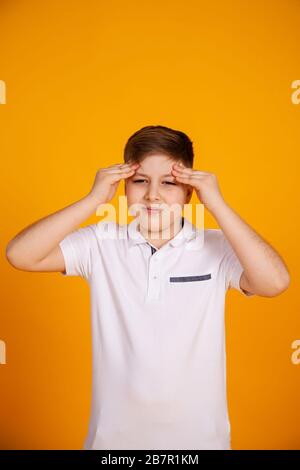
(158, 339)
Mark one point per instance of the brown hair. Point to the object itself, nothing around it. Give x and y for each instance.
(159, 139)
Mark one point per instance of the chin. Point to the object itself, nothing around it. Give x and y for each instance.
(155, 228)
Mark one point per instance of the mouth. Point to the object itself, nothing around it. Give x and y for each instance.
(152, 210)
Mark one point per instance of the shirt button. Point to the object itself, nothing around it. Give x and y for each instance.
(154, 277)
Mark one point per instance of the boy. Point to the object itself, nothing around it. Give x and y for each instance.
(157, 297)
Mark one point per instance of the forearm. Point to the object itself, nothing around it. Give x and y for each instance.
(263, 266)
(37, 240)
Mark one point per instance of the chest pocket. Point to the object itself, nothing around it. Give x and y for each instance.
(201, 277)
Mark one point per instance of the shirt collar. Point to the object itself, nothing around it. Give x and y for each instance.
(187, 233)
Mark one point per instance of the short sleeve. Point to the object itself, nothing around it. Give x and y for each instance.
(231, 267)
(77, 249)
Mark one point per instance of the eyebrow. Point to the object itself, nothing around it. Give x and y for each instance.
(142, 174)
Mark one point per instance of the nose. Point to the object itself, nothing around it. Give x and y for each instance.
(152, 194)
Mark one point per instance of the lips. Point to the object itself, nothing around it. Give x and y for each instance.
(153, 210)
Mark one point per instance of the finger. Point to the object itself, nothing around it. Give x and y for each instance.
(189, 170)
(116, 165)
(129, 174)
(190, 175)
(130, 164)
(122, 167)
(188, 181)
(180, 165)
(183, 170)
(124, 174)
(122, 170)
(183, 180)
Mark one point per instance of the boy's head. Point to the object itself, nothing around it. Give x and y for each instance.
(156, 149)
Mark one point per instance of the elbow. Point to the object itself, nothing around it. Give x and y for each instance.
(18, 259)
(9, 255)
(281, 286)
(284, 283)
(12, 258)
(274, 288)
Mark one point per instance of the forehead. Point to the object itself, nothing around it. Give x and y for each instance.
(157, 164)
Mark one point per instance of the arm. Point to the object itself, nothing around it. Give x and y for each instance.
(265, 272)
(36, 247)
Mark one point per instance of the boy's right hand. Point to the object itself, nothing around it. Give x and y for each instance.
(107, 180)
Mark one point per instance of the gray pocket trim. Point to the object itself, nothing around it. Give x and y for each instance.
(203, 277)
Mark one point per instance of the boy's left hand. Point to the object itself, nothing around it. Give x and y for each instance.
(205, 184)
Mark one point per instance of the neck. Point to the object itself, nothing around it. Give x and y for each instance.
(163, 236)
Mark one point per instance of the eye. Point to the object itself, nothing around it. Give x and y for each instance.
(166, 182)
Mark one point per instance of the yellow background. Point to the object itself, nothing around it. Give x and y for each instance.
(81, 77)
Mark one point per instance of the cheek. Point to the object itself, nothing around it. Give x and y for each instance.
(133, 193)
(178, 194)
